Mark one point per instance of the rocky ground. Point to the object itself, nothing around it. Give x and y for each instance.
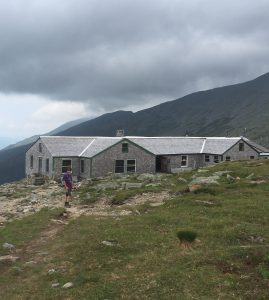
(22, 198)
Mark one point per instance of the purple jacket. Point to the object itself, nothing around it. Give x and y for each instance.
(68, 180)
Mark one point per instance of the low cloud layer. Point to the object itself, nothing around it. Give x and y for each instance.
(120, 54)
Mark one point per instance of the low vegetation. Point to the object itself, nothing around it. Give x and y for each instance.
(137, 256)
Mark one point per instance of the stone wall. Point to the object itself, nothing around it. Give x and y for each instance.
(104, 162)
(235, 154)
(193, 161)
(44, 154)
(75, 164)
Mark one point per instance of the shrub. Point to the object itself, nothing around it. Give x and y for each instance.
(186, 236)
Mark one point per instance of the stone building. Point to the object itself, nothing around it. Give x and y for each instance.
(98, 156)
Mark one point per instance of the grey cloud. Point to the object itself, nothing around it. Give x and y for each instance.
(119, 53)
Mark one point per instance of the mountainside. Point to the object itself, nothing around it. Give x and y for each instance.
(240, 109)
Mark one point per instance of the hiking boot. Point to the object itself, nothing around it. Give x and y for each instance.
(67, 205)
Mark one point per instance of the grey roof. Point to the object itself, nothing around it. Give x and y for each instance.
(98, 145)
(66, 146)
(256, 146)
(90, 146)
(219, 145)
(169, 145)
(186, 145)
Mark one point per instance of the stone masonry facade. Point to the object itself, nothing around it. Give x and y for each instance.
(104, 163)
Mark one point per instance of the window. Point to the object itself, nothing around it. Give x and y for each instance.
(207, 158)
(125, 148)
(228, 158)
(251, 157)
(241, 146)
(31, 161)
(131, 166)
(39, 164)
(66, 164)
(47, 165)
(119, 166)
(82, 166)
(184, 160)
(216, 159)
(40, 147)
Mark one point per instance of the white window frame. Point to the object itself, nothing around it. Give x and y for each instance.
(127, 165)
(70, 159)
(228, 158)
(187, 161)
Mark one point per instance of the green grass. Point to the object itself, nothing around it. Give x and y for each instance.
(147, 262)
(20, 232)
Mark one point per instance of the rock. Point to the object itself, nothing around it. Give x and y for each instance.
(8, 246)
(55, 285)
(230, 178)
(107, 185)
(51, 271)
(238, 178)
(202, 170)
(205, 180)
(110, 243)
(149, 177)
(19, 209)
(132, 185)
(30, 263)
(181, 179)
(205, 202)
(8, 258)
(68, 285)
(221, 173)
(33, 201)
(153, 184)
(257, 239)
(194, 187)
(257, 181)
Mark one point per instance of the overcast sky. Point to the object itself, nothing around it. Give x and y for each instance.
(67, 59)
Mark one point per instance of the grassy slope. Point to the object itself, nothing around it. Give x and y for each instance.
(148, 263)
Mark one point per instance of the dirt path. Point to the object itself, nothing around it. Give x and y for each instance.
(36, 252)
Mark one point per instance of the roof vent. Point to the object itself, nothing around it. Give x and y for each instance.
(119, 132)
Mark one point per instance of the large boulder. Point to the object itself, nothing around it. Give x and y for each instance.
(149, 177)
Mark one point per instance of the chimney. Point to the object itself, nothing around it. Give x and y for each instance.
(119, 133)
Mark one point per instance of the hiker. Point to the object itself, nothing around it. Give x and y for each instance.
(68, 183)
